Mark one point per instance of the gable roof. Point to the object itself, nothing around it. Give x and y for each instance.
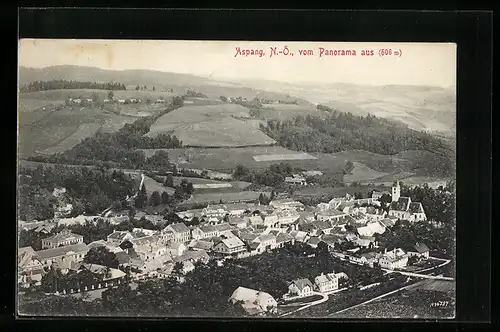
(223, 227)
(61, 251)
(179, 228)
(401, 204)
(421, 248)
(205, 245)
(416, 207)
(63, 236)
(119, 235)
(208, 229)
(302, 283)
(122, 257)
(232, 242)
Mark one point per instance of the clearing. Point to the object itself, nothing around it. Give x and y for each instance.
(211, 126)
(361, 172)
(290, 111)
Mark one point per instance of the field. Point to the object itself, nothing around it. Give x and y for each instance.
(212, 126)
(290, 111)
(362, 172)
(283, 157)
(61, 95)
(203, 186)
(151, 185)
(226, 159)
(226, 197)
(84, 130)
(414, 302)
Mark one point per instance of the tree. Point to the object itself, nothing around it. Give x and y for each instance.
(111, 95)
(101, 256)
(165, 198)
(169, 181)
(154, 88)
(155, 199)
(137, 88)
(223, 99)
(177, 101)
(142, 197)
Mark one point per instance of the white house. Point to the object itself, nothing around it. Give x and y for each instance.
(419, 250)
(176, 248)
(301, 288)
(229, 246)
(326, 283)
(394, 259)
(63, 238)
(253, 301)
(180, 232)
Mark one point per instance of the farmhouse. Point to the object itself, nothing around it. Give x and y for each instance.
(264, 242)
(204, 232)
(253, 301)
(301, 288)
(404, 208)
(63, 238)
(419, 250)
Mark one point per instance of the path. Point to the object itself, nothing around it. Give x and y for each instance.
(322, 300)
(425, 276)
(378, 297)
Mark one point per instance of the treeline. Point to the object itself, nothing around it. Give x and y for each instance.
(192, 93)
(345, 131)
(89, 190)
(273, 176)
(66, 85)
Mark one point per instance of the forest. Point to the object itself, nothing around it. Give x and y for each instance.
(89, 190)
(64, 84)
(343, 131)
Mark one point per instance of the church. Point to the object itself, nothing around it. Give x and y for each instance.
(404, 208)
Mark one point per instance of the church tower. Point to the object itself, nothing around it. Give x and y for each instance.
(396, 192)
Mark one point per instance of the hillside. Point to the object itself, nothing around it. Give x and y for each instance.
(211, 125)
(422, 108)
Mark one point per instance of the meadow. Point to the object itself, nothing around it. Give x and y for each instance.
(290, 111)
(211, 126)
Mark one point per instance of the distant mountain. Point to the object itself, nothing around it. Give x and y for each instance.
(94, 74)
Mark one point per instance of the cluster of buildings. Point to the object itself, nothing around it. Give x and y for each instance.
(238, 231)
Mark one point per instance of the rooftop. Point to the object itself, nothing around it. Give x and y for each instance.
(61, 251)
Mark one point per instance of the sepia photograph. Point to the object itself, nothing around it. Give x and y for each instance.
(236, 179)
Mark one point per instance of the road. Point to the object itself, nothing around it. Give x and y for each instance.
(322, 300)
(426, 276)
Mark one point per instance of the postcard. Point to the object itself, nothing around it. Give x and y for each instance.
(171, 178)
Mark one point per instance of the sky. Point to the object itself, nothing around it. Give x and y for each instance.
(430, 64)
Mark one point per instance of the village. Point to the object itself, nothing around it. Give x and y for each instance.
(345, 227)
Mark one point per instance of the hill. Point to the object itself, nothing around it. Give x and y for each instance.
(426, 108)
(222, 125)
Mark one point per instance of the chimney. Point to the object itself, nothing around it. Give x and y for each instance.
(385, 251)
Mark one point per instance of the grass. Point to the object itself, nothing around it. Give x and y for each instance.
(226, 197)
(289, 111)
(62, 94)
(362, 172)
(212, 126)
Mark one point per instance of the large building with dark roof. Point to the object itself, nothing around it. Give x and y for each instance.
(404, 208)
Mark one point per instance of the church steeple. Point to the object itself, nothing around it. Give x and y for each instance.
(396, 191)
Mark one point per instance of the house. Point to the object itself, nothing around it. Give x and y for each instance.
(237, 222)
(306, 216)
(326, 283)
(366, 241)
(63, 238)
(176, 248)
(374, 214)
(192, 256)
(266, 242)
(296, 180)
(299, 236)
(229, 246)
(149, 251)
(204, 232)
(332, 216)
(146, 232)
(118, 237)
(282, 239)
(394, 259)
(312, 173)
(270, 219)
(180, 232)
(255, 220)
(236, 209)
(287, 203)
(201, 245)
(371, 258)
(331, 239)
(30, 268)
(214, 211)
(106, 101)
(378, 194)
(314, 241)
(287, 217)
(388, 222)
(253, 301)
(121, 101)
(301, 288)
(101, 243)
(75, 252)
(371, 228)
(419, 250)
(404, 208)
